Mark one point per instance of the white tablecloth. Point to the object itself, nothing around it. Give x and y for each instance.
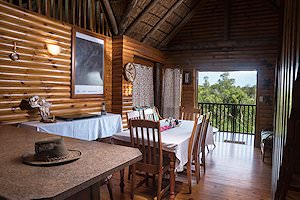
(85, 129)
(174, 140)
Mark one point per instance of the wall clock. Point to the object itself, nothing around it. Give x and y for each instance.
(129, 72)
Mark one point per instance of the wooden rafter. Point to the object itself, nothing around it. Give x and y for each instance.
(140, 15)
(126, 16)
(111, 17)
(162, 20)
(178, 27)
(224, 44)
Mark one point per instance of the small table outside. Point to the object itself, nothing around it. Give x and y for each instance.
(86, 129)
(20, 181)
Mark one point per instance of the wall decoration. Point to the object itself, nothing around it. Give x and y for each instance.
(14, 55)
(129, 72)
(44, 108)
(187, 77)
(88, 52)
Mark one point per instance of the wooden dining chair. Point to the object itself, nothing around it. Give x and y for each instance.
(199, 154)
(133, 115)
(148, 114)
(191, 150)
(189, 113)
(152, 114)
(146, 135)
(107, 181)
(197, 147)
(156, 111)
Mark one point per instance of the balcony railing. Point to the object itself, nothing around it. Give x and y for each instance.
(234, 118)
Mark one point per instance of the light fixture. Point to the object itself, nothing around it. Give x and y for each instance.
(53, 49)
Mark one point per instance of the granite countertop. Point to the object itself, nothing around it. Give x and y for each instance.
(20, 181)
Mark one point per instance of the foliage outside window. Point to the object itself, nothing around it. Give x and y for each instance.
(233, 106)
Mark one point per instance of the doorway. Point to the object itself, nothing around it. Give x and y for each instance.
(231, 97)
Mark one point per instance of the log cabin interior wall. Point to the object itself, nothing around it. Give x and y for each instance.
(233, 35)
(36, 72)
(286, 152)
(127, 50)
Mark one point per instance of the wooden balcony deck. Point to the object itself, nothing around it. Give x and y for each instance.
(234, 171)
(246, 139)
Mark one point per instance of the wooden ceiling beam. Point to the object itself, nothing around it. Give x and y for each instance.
(162, 20)
(178, 27)
(111, 17)
(126, 16)
(140, 15)
(224, 44)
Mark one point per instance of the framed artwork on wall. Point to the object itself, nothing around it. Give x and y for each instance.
(88, 52)
(187, 77)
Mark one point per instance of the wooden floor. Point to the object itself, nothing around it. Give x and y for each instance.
(234, 172)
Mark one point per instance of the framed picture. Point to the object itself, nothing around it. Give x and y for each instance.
(187, 77)
(88, 52)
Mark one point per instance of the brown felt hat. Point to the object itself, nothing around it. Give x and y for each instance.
(51, 152)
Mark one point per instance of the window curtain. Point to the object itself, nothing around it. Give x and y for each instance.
(171, 92)
(142, 86)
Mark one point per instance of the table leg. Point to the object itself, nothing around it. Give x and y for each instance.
(172, 175)
(122, 180)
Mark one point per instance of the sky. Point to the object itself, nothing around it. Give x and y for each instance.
(242, 78)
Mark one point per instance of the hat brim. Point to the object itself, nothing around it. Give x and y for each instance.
(30, 159)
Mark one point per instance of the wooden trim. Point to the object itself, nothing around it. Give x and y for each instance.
(73, 63)
(111, 17)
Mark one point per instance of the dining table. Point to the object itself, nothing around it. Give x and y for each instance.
(92, 128)
(79, 179)
(175, 142)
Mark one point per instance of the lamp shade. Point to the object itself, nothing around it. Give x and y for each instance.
(53, 49)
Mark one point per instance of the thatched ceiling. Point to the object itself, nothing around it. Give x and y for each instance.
(156, 22)
(151, 21)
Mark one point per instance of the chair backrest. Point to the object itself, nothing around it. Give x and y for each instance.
(146, 136)
(156, 111)
(189, 114)
(201, 136)
(149, 114)
(193, 139)
(132, 115)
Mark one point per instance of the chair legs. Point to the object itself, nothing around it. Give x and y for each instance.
(159, 185)
(109, 187)
(203, 159)
(189, 176)
(133, 177)
(122, 180)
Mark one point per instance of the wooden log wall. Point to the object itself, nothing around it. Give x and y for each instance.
(286, 146)
(234, 35)
(127, 50)
(87, 14)
(37, 72)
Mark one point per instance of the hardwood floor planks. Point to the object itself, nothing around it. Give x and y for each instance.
(233, 172)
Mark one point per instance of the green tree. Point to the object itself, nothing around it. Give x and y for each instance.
(225, 92)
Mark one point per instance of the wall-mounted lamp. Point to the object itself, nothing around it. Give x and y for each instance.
(128, 90)
(53, 49)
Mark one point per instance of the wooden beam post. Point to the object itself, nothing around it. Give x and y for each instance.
(111, 17)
